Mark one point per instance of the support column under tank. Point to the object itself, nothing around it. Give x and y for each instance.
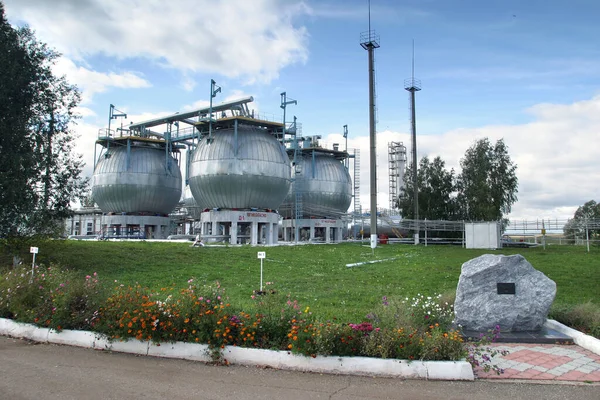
(262, 224)
(233, 232)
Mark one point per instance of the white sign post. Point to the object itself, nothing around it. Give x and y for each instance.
(34, 251)
(261, 256)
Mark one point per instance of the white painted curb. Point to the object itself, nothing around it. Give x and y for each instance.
(181, 350)
(434, 370)
(586, 341)
(72, 338)
(23, 331)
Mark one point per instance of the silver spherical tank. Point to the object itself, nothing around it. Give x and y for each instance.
(145, 181)
(325, 186)
(190, 204)
(250, 170)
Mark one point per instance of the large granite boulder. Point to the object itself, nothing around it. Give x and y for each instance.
(505, 291)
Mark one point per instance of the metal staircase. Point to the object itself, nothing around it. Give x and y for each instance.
(357, 208)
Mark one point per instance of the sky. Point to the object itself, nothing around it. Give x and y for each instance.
(526, 72)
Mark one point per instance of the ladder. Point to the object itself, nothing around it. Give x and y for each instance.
(357, 209)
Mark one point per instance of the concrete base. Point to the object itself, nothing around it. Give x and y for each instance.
(135, 226)
(586, 341)
(323, 230)
(240, 227)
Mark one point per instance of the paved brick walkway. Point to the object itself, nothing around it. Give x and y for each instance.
(544, 362)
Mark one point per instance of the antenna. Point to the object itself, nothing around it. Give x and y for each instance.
(369, 16)
(413, 59)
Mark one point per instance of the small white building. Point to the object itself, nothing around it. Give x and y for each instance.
(86, 221)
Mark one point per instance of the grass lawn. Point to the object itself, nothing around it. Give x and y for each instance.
(316, 275)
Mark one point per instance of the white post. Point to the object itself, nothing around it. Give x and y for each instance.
(261, 255)
(587, 236)
(34, 251)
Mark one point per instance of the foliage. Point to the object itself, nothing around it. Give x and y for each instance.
(480, 354)
(274, 315)
(487, 185)
(39, 174)
(435, 190)
(576, 227)
(54, 298)
(190, 314)
(201, 314)
(584, 317)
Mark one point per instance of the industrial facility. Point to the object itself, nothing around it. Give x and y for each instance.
(220, 172)
(223, 174)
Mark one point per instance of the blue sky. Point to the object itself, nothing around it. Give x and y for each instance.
(523, 71)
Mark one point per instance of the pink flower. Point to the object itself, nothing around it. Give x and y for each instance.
(208, 300)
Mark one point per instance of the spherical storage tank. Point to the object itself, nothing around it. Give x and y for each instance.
(190, 203)
(144, 182)
(325, 186)
(250, 171)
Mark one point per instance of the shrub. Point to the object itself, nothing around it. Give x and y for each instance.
(53, 297)
(274, 314)
(193, 314)
(419, 328)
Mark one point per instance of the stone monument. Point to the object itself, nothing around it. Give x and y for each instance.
(502, 290)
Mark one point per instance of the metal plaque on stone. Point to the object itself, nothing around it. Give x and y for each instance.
(506, 288)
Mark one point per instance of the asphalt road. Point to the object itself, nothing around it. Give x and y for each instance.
(45, 371)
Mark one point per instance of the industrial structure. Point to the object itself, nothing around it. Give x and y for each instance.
(413, 85)
(321, 192)
(370, 41)
(136, 183)
(396, 165)
(221, 172)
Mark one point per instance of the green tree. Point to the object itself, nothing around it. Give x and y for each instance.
(487, 185)
(39, 173)
(435, 190)
(586, 215)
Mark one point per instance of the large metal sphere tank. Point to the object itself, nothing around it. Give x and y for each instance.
(325, 185)
(190, 203)
(144, 183)
(252, 173)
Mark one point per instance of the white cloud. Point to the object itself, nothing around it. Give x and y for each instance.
(556, 155)
(91, 82)
(253, 40)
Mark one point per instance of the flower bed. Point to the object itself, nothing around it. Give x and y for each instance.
(398, 329)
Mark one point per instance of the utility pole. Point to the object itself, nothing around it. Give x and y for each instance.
(370, 41)
(413, 85)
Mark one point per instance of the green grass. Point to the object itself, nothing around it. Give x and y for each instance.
(316, 275)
